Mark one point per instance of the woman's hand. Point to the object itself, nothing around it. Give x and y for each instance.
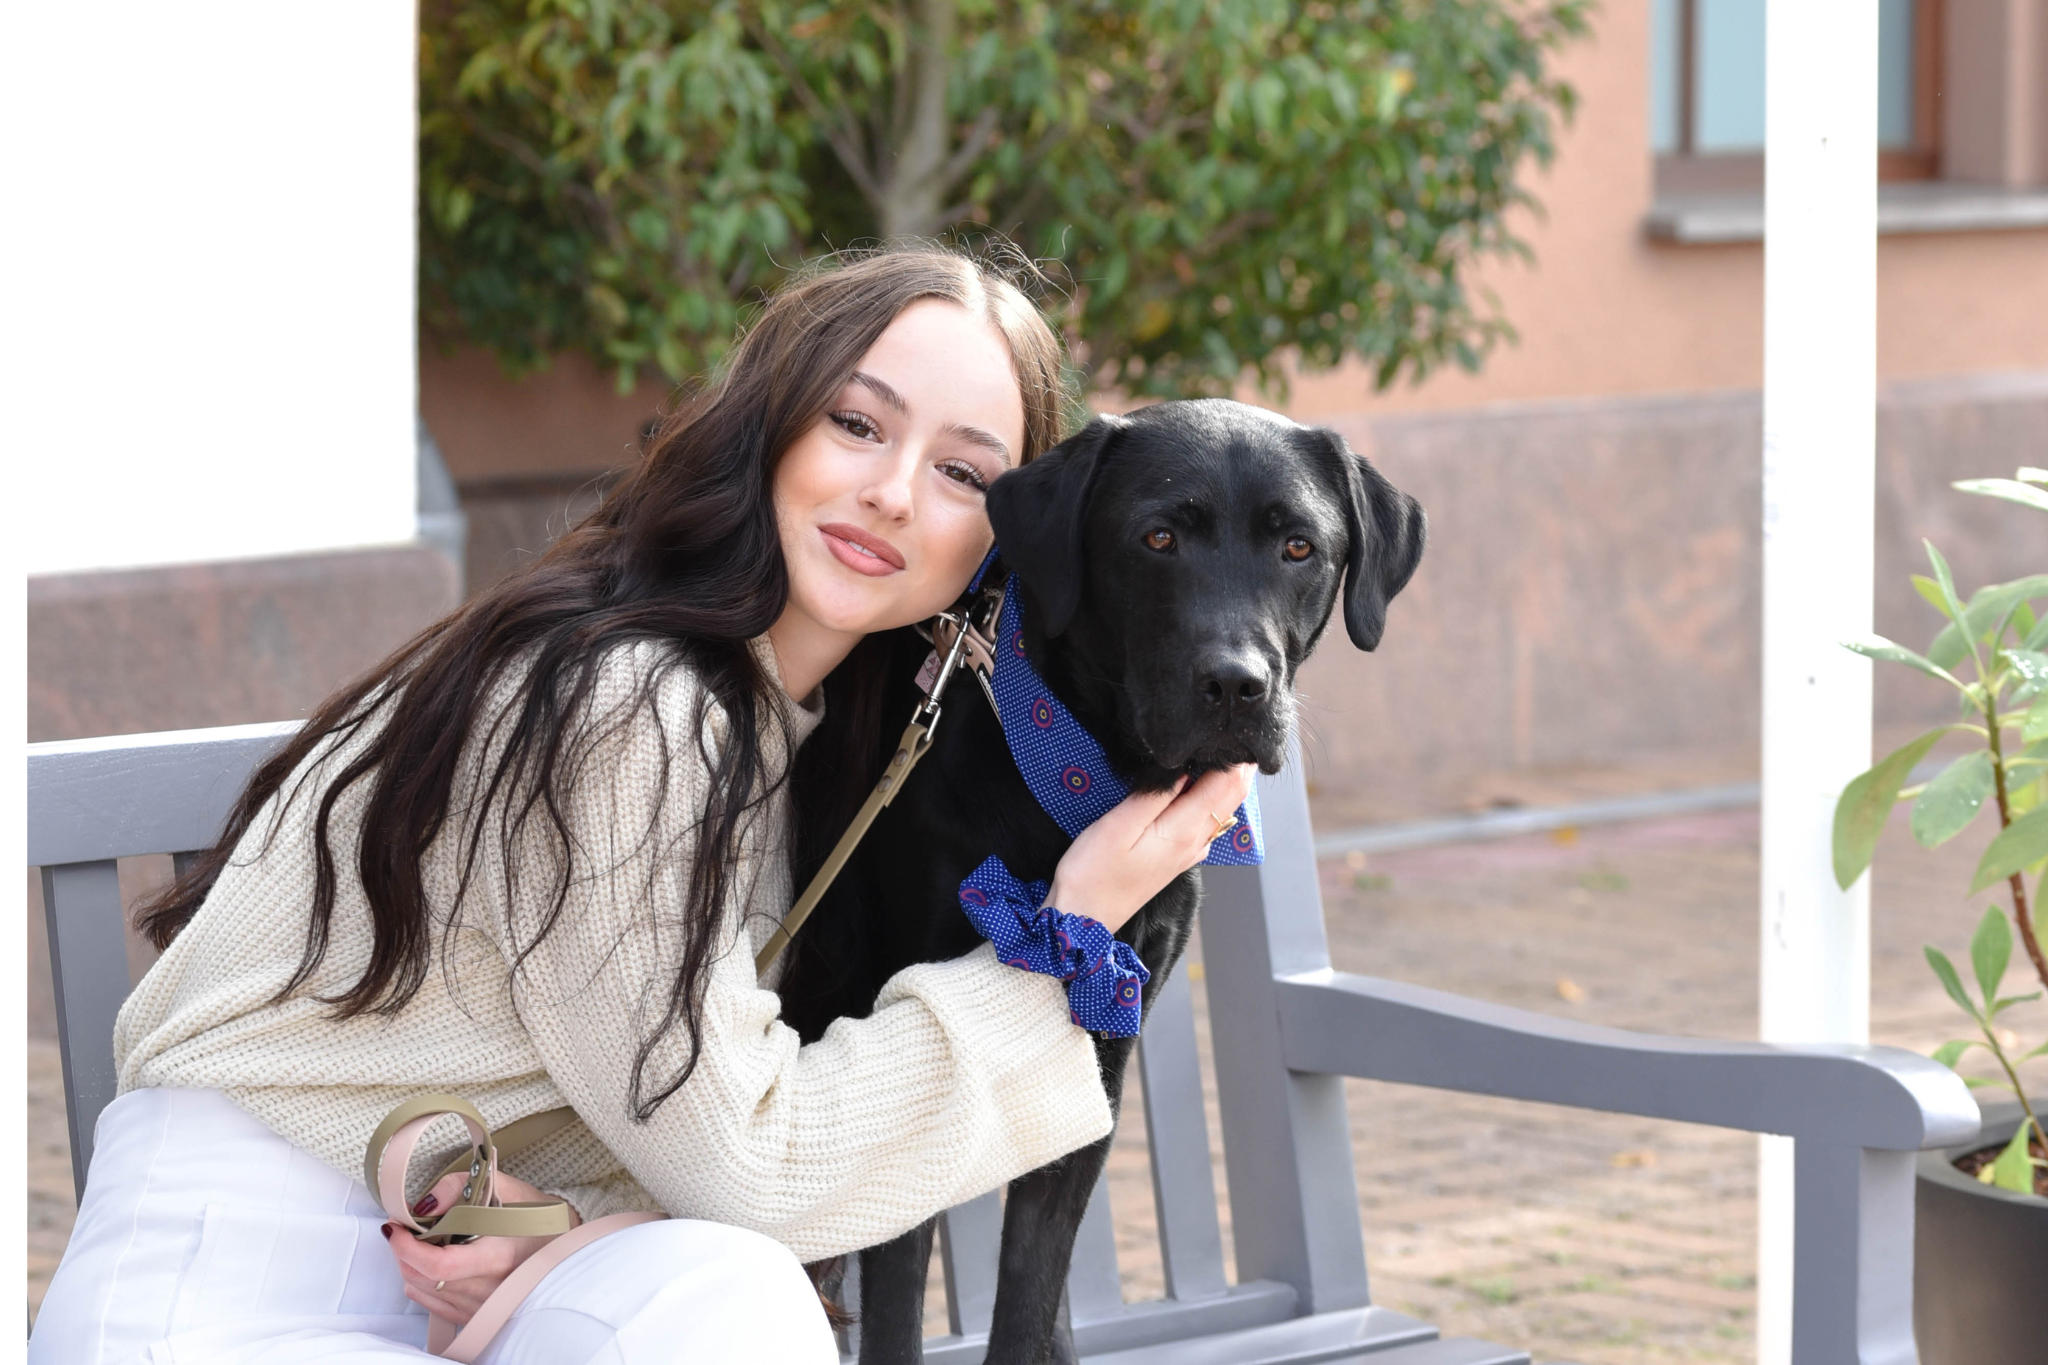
(1128, 856)
(452, 1282)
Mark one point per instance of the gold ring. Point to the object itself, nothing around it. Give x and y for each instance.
(1223, 826)
(439, 1285)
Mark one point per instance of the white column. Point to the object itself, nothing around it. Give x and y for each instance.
(1820, 396)
(211, 322)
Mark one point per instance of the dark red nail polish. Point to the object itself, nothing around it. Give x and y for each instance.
(386, 1230)
(426, 1206)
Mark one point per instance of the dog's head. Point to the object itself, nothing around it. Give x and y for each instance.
(1180, 562)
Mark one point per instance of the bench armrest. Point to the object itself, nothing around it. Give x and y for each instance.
(1335, 1023)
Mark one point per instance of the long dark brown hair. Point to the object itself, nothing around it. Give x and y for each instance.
(684, 552)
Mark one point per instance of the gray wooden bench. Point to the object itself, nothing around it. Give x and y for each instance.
(1286, 1030)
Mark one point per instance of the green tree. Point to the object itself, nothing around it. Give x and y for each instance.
(1219, 185)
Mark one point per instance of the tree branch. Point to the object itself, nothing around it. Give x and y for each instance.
(844, 147)
(970, 149)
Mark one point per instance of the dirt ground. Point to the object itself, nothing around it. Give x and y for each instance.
(1586, 1237)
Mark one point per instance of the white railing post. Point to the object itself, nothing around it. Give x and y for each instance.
(1820, 396)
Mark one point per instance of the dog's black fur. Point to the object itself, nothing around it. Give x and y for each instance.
(1177, 660)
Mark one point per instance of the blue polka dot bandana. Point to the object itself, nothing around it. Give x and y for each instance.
(1105, 980)
(1061, 762)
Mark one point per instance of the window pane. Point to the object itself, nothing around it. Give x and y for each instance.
(1666, 77)
(1895, 73)
(1728, 90)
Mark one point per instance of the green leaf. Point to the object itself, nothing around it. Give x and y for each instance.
(2041, 1051)
(1867, 802)
(2009, 489)
(1953, 799)
(1877, 647)
(1982, 1082)
(2034, 728)
(2014, 1169)
(1930, 590)
(1988, 606)
(1950, 599)
(2031, 667)
(2032, 475)
(1991, 951)
(1950, 982)
(1949, 1053)
(2019, 845)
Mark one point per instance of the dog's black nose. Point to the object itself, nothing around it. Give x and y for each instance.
(1232, 682)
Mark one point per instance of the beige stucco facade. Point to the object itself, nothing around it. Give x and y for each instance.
(1604, 310)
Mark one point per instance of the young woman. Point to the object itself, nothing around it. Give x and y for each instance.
(529, 861)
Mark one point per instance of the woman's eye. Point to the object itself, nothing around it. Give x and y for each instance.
(856, 426)
(1297, 548)
(964, 473)
(1159, 539)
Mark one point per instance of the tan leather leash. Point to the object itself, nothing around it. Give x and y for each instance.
(957, 637)
(478, 1211)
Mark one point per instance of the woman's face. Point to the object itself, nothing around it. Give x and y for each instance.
(880, 503)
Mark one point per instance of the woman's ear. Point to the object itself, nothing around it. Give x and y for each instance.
(1387, 530)
(1039, 512)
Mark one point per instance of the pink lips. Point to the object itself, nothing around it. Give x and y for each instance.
(860, 551)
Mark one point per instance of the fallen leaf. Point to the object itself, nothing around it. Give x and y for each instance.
(1355, 860)
(1564, 836)
(1633, 1159)
(1570, 990)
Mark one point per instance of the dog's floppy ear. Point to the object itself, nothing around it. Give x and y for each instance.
(1039, 512)
(1387, 530)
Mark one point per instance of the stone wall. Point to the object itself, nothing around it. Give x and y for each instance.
(1592, 586)
(130, 650)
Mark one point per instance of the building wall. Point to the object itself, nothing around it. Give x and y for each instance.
(1592, 589)
(1606, 310)
(131, 650)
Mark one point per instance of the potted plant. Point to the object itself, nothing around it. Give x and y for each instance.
(1981, 1243)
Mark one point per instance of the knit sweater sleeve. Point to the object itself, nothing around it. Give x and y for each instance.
(966, 1073)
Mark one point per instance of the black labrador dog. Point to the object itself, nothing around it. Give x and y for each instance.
(1177, 565)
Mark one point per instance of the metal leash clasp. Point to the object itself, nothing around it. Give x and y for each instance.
(970, 635)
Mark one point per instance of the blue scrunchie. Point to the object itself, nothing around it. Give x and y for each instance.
(1105, 980)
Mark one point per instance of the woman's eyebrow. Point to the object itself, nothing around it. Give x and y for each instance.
(980, 437)
(975, 435)
(880, 390)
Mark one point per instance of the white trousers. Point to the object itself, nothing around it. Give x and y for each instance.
(206, 1238)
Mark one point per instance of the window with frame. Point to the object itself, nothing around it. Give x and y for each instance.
(1707, 92)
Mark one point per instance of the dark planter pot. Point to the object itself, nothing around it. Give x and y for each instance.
(1979, 1255)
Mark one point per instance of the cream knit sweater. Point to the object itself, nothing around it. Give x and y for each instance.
(967, 1073)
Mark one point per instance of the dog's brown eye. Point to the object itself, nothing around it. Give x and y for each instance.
(1297, 548)
(1159, 539)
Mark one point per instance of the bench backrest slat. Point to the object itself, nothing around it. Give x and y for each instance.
(1286, 1135)
(1094, 1288)
(970, 1252)
(1183, 1168)
(89, 971)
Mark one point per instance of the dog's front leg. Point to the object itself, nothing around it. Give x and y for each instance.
(892, 1278)
(1039, 1222)
(1039, 1225)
